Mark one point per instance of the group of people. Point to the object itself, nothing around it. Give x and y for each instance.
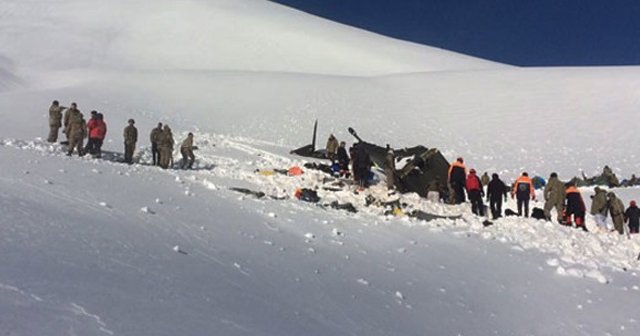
(77, 129)
(357, 158)
(564, 198)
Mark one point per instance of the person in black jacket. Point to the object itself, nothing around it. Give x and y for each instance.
(343, 159)
(353, 152)
(575, 206)
(495, 192)
(632, 215)
(364, 166)
(457, 178)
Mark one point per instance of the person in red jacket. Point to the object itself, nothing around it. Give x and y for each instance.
(91, 125)
(523, 191)
(101, 133)
(575, 206)
(97, 130)
(475, 192)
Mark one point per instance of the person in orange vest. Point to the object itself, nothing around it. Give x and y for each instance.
(575, 206)
(457, 178)
(475, 192)
(523, 191)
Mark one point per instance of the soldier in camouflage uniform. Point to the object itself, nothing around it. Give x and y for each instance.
(554, 194)
(76, 131)
(186, 149)
(67, 115)
(55, 120)
(165, 145)
(154, 137)
(599, 208)
(616, 208)
(130, 139)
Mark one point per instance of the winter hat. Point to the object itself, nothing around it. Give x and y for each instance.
(472, 171)
(131, 121)
(632, 203)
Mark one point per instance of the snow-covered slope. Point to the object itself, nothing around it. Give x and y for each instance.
(247, 35)
(94, 247)
(89, 246)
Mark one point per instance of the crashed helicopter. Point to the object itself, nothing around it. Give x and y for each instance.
(417, 167)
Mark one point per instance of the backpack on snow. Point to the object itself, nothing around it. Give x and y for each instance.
(307, 195)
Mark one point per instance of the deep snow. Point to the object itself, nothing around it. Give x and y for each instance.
(94, 247)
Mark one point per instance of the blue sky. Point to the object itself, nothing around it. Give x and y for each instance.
(519, 32)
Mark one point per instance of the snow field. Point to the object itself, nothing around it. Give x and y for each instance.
(225, 162)
(94, 247)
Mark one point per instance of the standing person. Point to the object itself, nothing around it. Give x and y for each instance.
(495, 192)
(72, 110)
(390, 168)
(485, 179)
(186, 149)
(554, 194)
(55, 120)
(332, 147)
(457, 179)
(575, 207)
(100, 133)
(616, 209)
(154, 137)
(600, 208)
(353, 152)
(91, 130)
(130, 138)
(364, 165)
(165, 145)
(343, 159)
(632, 215)
(76, 131)
(523, 191)
(474, 190)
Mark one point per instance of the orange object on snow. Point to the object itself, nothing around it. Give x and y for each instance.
(295, 171)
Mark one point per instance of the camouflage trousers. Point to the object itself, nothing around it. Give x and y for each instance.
(549, 205)
(128, 152)
(618, 223)
(166, 156)
(53, 133)
(76, 142)
(187, 157)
